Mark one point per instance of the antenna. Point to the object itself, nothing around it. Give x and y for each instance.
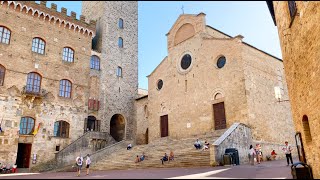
(182, 9)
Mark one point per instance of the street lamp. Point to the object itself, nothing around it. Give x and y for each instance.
(277, 92)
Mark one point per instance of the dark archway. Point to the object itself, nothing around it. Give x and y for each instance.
(117, 127)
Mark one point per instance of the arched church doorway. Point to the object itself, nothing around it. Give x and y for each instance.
(117, 127)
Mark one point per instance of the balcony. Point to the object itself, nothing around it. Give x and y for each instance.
(93, 104)
(27, 92)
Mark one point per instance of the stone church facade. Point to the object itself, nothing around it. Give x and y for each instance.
(209, 81)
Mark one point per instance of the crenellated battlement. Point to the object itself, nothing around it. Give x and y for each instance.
(51, 15)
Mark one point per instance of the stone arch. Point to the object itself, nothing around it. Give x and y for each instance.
(81, 31)
(36, 13)
(117, 127)
(77, 29)
(18, 7)
(306, 128)
(185, 32)
(217, 94)
(72, 27)
(24, 9)
(41, 16)
(11, 5)
(47, 18)
(5, 4)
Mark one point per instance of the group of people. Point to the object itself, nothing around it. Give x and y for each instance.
(8, 168)
(198, 145)
(79, 163)
(167, 158)
(256, 153)
(141, 158)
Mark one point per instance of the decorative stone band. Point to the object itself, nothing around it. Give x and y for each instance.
(16, 6)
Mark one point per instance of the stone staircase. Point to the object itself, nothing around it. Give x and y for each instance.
(185, 154)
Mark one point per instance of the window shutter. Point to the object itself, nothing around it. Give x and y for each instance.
(96, 105)
(90, 104)
(85, 124)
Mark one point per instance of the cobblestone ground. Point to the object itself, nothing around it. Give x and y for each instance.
(270, 170)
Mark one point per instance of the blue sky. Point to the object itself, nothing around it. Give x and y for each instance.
(250, 19)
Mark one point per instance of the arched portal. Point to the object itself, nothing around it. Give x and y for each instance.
(117, 127)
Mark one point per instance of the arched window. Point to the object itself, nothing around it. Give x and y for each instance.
(61, 129)
(26, 125)
(2, 73)
(65, 88)
(120, 42)
(33, 83)
(5, 34)
(120, 23)
(68, 54)
(38, 45)
(306, 128)
(95, 63)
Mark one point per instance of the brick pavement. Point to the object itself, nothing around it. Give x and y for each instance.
(268, 169)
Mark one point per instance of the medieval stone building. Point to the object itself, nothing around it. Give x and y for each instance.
(298, 29)
(209, 81)
(58, 79)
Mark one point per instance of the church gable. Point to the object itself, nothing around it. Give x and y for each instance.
(186, 26)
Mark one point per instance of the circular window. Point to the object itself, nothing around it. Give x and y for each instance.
(221, 62)
(160, 84)
(186, 61)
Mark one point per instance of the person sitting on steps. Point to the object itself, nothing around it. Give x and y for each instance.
(206, 146)
(197, 144)
(171, 156)
(165, 158)
(129, 146)
(137, 159)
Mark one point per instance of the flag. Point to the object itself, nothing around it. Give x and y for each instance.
(36, 130)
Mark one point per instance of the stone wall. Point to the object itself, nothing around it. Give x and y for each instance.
(237, 136)
(269, 119)
(141, 124)
(117, 94)
(49, 107)
(299, 39)
(89, 143)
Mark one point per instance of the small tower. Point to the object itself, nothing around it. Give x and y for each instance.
(117, 41)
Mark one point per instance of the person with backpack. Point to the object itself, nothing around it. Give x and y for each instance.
(79, 161)
(88, 162)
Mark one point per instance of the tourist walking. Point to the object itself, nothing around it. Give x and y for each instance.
(251, 154)
(258, 153)
(79, 161)
(287, 150)
(88, 162)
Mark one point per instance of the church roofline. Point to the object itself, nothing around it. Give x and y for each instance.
(158, 66)
(201, 13)
(141, 97)
(247, 44)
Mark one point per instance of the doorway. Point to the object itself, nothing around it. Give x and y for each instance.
(117, 127)
(92, 124)
(164, 126)
(23, 155)
(147, 136)
(219, 116)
